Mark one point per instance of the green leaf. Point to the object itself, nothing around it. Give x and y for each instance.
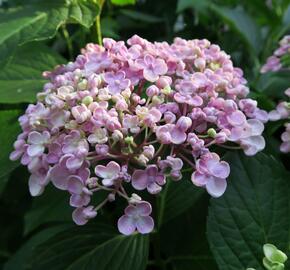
(241, 22)
(176, 198)
(253, 211)
(20, 260)
(274, 84)
(92, 247)
(21, 79)
(237, 18)
(8, 133)
(286, 17)
(199, 262)
(139, 16)
(39, 21)
(188, 246)
(83, 12)
(123, 2)
(51, 206)
(195, 4)
(110, 27)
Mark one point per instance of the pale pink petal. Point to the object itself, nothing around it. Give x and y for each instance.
(126, 225)
(236, 118)
(131, 210)
(216, 187)
(78, 216)
(114, 168)
(145, 224)
(35, 188)
(79, 200)
(35, 137)
(153, 188)
(177, 136)
(199, 179)
(75, 184)
(144, 208)
(101, 171)
(257, 127)
(160, 67)
(35, 150)
(59, 177)
(139, 179)
(74, 163)
(219, 169)
(149, 75)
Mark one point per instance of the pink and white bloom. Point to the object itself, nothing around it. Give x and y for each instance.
(149, 178)
(80, 195)
(116, 82)
(137, 217)
(108, 173)
(152, 67)
(211, 173)
(37, 142)
(137, 113)
(81, 113)
(82, 215)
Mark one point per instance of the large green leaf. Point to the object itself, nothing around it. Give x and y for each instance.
(274, 84)
(92, 247)
(241, 22)
(176, 198)
(51, 206)
(40, 20)
(237, 18)
(20, 260)
(253, 211)
(8, 133)
(21, 79)
(183, 239)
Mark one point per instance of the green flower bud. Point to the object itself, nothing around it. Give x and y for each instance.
(166, 90)
(83, 84)
(87, 100)
(157, 100)
(273, 254)
(129, 140)
(211, 133)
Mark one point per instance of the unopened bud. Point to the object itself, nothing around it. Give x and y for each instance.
(129, 140)
(83, 84)
(87, 100)
(211, 132)
(166, 90)
(135, 198)
(117, 135)
(157, 100)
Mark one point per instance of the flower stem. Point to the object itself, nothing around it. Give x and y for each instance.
(68, 41)
(98, 22)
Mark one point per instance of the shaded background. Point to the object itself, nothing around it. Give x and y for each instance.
(247, 30)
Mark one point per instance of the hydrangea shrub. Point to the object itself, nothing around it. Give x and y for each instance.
(282, 111)
(138, 114)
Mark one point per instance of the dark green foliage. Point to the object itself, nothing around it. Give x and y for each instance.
(36, 35)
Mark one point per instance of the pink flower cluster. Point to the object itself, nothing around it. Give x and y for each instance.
(274, 62)
(282, 111)
(139, 114)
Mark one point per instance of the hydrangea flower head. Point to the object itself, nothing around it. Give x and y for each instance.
(137, 115)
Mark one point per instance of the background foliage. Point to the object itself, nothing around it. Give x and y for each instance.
(193, 232)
